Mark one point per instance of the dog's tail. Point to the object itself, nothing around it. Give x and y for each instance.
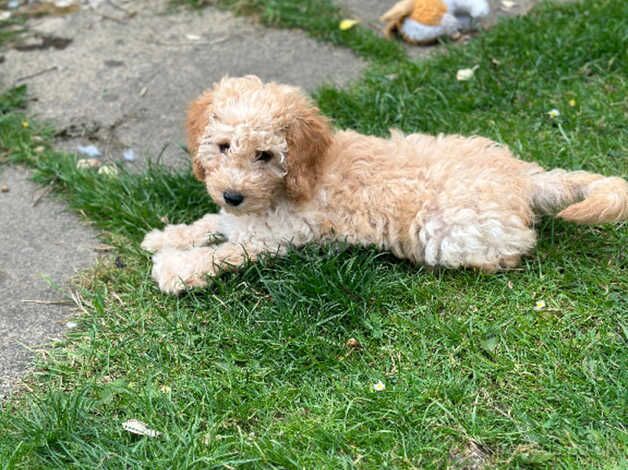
(580, 196)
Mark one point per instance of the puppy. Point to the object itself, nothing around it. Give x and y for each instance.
(284, 178)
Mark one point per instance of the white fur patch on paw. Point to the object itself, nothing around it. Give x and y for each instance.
(165, 273)
(176, 270)
(154, 241)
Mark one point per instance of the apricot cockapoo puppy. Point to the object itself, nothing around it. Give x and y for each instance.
(284, 178)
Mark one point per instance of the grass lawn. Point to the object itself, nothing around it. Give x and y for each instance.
(255, 370)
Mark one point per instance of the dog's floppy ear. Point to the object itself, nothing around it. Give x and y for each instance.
(308, 136)
(197, 119)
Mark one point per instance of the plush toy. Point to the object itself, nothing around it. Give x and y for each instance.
(423, 21)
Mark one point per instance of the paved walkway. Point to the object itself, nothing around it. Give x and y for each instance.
(42, 246)
(119, 77)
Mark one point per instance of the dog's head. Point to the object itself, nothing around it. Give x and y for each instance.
(253, 143)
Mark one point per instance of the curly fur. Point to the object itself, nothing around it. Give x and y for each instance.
(447, 201)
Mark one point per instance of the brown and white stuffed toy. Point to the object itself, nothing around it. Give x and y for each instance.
(424, 21)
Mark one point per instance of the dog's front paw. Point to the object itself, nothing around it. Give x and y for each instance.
(154, 241)
(175, 270)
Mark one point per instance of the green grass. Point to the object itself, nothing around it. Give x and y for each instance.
(253, 371)
(10, 28)
(319, 18)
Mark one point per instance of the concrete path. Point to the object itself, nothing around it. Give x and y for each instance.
(42, 246)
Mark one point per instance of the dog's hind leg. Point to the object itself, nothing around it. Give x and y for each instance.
(489, 241)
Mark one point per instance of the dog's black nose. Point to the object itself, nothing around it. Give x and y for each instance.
(232, 198)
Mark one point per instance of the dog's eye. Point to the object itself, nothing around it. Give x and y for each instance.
(264, 156)
(224, 147)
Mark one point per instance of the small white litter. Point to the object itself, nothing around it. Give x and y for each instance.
(466, 74)
(128, 155)
(135, 426)
(89, 150)
(507, 4)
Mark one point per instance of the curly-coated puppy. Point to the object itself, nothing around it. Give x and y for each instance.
(284, 178)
